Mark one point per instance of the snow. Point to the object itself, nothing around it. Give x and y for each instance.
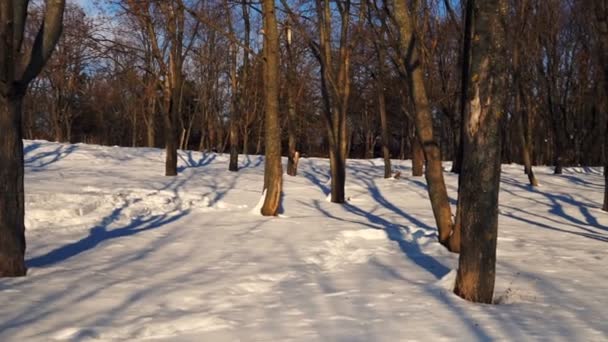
(118, 252)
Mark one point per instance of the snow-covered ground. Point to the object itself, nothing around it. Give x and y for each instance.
(118, 252)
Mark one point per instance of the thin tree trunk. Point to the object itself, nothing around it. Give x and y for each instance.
(170, 136)
(424, 122)
(233, 133)
(386, 154)
(12, 227)
(245, 140)
(151, 124)
(480, 177)
(292, 153)
(258, 147)
(234, 148)
(273, 170)
(417, 157)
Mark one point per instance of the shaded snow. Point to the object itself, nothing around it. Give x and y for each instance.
(118, 252)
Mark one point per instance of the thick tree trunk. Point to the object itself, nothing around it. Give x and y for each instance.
(12, 227)
(605, 206)
(424, 122)
(480, 177)
(273, 170)
(601, 17)
(338, 175)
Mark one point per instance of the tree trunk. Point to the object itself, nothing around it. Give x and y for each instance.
(601, 16)
(480, 177)
(605, 206)
(273, 170)
(12, 227)
(338, 175)
(234, 147)
(245, 140)
(292, 154)
(417, 157)
(258, 147)
(369, 144)
(151, 124)
(170, 137)
(386, 154)
(424, 122)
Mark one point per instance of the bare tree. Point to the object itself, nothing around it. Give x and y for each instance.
(293, 155)
(273, 170)
(480, 177)
(411, 69)
(14, 81)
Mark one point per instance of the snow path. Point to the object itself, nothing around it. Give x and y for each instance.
(118, 252)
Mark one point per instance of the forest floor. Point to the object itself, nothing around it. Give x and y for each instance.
(118, 252)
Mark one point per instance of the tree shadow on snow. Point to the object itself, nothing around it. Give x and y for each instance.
(394, 232)
(37, 160)
(556, 205)
(205, 160)
(101, 233)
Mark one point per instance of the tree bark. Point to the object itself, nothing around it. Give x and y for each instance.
(386, 154)
(424, 121)
(273, 170)
(480, 177)
(12, 228)
(417, 157)
(292, 154)
(13, 87)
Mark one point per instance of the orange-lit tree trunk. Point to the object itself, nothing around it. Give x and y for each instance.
(273, 170)
(411, 69)
(480, 177)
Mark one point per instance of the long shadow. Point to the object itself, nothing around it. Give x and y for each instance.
(43, 159)
(315, 177)
(590, 235)
(100, 233)
(248, 163)
(206, 159)
(558, 209)
(394, 233)
(410, 249)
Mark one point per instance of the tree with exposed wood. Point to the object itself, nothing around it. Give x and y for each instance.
(273, 170)
(480, 176)
(18, 67)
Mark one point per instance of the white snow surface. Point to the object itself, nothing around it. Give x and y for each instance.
(118, 252)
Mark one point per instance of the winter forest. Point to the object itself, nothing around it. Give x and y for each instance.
(303, 170)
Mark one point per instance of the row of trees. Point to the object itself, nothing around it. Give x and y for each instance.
(477, 82)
